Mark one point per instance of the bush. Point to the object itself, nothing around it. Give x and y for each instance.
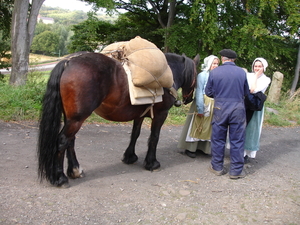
(22, 102)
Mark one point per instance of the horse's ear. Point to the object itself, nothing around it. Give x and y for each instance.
(183, 55)
(197, 59)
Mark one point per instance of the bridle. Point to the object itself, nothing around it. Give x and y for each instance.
(192, 86)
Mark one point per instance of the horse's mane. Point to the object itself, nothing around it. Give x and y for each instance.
(189, 67)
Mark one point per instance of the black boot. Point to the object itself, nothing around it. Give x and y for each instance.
(246, 159)
(190, 154)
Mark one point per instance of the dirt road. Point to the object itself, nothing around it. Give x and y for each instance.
(182, 192)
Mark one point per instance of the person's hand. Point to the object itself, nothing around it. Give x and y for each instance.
(200, 115)
(259, 72)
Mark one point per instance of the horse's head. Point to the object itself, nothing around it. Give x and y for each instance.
(184, 72)
(190, 74)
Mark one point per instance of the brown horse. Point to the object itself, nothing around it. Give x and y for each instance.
(93, 82)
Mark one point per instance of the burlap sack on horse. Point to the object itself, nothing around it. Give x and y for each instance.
(115, 50)
(148, 64)
(139, 95)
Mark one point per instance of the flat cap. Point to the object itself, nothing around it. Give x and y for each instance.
(228, 53)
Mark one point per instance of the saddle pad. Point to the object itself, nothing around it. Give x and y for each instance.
(141, 95)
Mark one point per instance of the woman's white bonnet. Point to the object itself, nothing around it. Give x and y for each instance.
(263, 61)
(208, 62)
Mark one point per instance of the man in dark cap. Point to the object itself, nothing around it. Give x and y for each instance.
(228, 85)
(228, 53)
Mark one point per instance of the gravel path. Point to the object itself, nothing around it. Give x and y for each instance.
(182, 192)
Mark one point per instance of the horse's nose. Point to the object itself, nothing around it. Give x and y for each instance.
(187, 101)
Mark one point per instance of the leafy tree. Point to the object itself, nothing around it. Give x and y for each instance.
(63, 32)
(158, 14)
(6, 8)
(88, 34)
(41, 27)
(46, 43)
(252, 28)
(4, 54)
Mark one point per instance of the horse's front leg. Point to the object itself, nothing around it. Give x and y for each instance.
(129, 156)
(151, 162)
(74, 170)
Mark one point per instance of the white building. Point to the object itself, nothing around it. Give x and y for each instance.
(45, 20)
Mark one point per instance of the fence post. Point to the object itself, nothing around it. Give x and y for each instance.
(275, 89)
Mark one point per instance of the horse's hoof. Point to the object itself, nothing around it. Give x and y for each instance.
(130, 160)
(76, 173)
(82, 174)
(152, 166)
(62, 182)
(65, 185)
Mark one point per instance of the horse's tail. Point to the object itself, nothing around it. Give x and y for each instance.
(49, 124)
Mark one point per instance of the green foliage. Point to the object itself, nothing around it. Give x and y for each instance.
(285, 113)
(4, 49)
(22, 102)
(64, 20)
(88, 34)
(6, 8)
(42, 27)
(109, 5)
(177, 33)
(46, 43)
(251, 28)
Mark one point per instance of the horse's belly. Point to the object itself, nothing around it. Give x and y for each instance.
(120, 114)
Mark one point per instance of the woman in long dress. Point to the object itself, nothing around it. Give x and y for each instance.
(196, 132)
(257, 81)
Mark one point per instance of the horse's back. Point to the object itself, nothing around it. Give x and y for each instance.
(95, 82)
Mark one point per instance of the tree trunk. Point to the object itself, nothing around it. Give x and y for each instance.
(22, 31)
(296, 77)
(171, 16)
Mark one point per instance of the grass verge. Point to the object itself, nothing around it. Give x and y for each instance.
(24, 103)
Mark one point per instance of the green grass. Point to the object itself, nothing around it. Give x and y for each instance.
(24, 103)
(285, 113)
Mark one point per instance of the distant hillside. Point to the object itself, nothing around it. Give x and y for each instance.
(70, 17)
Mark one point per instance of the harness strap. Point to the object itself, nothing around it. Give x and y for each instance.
(173, 92)
(150, 107)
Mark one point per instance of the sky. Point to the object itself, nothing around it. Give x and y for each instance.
(68, 4)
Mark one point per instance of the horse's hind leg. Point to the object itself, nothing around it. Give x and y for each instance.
(66, 142)
(74, 170)
(58, 177)
(129, 156)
